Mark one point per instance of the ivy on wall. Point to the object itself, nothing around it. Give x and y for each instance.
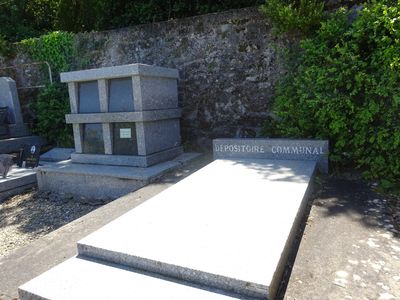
(59, 50)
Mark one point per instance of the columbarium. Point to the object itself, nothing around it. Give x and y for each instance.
(125, 121)
(125, 115)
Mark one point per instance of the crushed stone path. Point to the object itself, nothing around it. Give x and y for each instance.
(350, 248)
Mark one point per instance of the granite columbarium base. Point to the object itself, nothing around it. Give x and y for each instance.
(222, 233)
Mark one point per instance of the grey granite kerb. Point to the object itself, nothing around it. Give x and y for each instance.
(119, 72)
(277, 149)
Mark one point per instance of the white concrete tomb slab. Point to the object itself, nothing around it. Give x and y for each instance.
(226, 226)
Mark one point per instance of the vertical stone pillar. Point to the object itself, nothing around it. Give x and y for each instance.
(103, 98)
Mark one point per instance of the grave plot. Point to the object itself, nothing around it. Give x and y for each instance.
(223, 232)
(15, 139)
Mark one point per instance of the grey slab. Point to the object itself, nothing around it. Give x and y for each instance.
(89, 99)
(158, 93)
(145, 116)
(18, 179)
(30, 261)
(119, 72)
(161, 135)
(57, 154)
(78, 278)
(99, 181)
(15, 144)
(127, 160)
(316, 150)
(9, 98)
(227, 226)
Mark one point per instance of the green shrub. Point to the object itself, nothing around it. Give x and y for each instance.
(57, 48)
(50, 107)
(294, 16)
(346, 88)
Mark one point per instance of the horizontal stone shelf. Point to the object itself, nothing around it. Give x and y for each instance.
(119, 72)
(117, 117)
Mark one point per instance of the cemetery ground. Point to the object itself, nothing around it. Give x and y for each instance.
(350, 247)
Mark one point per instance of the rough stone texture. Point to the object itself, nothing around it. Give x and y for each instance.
(227, 66)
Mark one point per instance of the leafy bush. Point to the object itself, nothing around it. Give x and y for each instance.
(50, 107)
(295, 16)
(346, 88)
(57, 48)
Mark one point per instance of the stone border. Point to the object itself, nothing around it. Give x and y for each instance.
(119, 72)
(127, 160)
(277, 149)
(115, 117)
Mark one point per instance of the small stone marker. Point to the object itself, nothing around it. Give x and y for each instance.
(277, 149)
(6, 162)
(30, 155)
(9, 99)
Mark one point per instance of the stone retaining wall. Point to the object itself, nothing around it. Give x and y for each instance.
(227, 64)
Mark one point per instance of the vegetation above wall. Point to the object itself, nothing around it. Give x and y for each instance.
(345, 86)
(24, 19)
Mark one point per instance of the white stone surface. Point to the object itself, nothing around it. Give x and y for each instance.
(81, 279)
(231, 219)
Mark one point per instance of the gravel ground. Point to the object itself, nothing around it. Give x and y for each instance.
(33, 214)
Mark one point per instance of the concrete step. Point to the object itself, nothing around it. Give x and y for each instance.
(228, 226)
(79, 278)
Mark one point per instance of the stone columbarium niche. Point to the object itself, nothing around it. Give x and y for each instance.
(125, 115)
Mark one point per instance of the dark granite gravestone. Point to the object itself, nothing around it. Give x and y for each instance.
(93, 139)
(121, 95)
(89, 97)
(124, 139)
(29, 156)
(3, 122)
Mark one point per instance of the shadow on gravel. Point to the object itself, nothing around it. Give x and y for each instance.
(356, 200)
(33, 214)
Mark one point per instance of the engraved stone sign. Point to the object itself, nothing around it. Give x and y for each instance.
(274, 149)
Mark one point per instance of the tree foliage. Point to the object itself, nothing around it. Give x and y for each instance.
(31, 18)
(346, 88)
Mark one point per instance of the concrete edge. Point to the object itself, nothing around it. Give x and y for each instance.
(290, 246)
(231, 285)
